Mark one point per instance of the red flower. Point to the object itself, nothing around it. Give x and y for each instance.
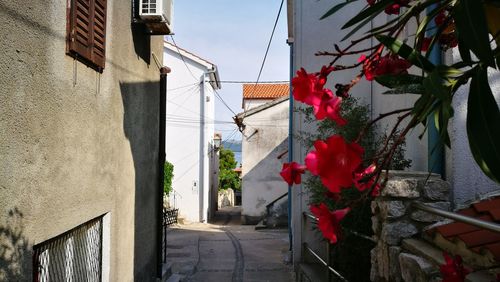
(453, 270)
(304, 85)
(388, 64)
(371, 2)
(291, 172)
(440, 18)
(308, 87)
(425, 44)
(362, 184)
(329, 107)
(392, 9)
(329, 222)
(334, 161)
(322, 76)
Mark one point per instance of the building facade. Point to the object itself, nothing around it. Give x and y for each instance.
(190, 132)
(79, 145)
(264, 146)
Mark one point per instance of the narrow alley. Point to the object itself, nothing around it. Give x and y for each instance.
(224, 250)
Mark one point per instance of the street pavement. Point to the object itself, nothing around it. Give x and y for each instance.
(227, 251)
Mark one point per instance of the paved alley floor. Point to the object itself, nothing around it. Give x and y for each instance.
(227, 251)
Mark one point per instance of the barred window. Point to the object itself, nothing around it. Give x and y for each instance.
(86, 32)
(75, 255)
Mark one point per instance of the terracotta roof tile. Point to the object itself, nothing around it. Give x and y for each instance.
(476, 239)
(487, 205)
(265, 91)
(495, 214)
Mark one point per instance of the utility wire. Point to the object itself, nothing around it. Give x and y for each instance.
(240, 121)
(268, 45)
(182, 57)
(223, 102)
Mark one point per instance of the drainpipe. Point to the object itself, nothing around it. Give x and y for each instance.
(290, 145)
(201, 183)
(161, 164)
(435, 147)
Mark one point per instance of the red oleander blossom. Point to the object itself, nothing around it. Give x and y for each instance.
(329, 222)
(425, 44)
(371, 2)
(308, 87)
(395, 7)
(453, 270)
(329, 107)
(389, 64)
(291, 172)
(323, 76)
(304, 85)
(361, 183)
(334, 161)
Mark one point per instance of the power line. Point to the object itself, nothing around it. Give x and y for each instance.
(182, 58)
(224, 102)
(269, 44)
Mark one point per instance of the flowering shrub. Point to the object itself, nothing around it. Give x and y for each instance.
(466, 24)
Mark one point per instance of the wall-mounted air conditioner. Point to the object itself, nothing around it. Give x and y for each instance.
(157, 11)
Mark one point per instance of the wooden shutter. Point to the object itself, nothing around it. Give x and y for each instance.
(87, 31)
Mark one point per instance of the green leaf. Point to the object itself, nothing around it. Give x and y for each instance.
(369, 11)
(434, 86)
(483, 118)
(472, 29)
(393, 81)
(336, 8)
(464, 52)
(406, 89)
(358, 27)
(405, 51)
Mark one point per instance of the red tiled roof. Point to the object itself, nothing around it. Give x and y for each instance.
(265, 91)
(475, 238)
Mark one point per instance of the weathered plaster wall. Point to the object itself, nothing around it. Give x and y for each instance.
(264, 139)
(76, 144)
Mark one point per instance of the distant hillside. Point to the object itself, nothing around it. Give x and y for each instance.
(233, 145)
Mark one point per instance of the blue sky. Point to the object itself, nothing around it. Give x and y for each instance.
(234, 35)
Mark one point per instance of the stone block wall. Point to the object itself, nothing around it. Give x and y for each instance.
(395, 220)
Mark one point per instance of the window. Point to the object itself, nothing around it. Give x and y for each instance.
(73, 256)
(86, 38)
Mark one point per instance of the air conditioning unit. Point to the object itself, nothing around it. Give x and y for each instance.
(157, 11)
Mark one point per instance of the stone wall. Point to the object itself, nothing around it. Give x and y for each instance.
(396, 257)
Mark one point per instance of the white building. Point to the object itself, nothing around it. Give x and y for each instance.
(190, 130)
(308, 35)
(264, 146)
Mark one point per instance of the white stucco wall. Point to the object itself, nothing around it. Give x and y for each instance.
(189, 134)
(467, 180)
(264, 139)
(252, 103)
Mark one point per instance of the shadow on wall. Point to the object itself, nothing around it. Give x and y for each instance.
(15, 251)
(263, 180)
(140, 123)
(142, 41)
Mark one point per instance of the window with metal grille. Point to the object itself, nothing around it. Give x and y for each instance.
(75, 255)
(86, 38)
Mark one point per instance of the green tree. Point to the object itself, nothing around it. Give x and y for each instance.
(228, 178)
(168, 174)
